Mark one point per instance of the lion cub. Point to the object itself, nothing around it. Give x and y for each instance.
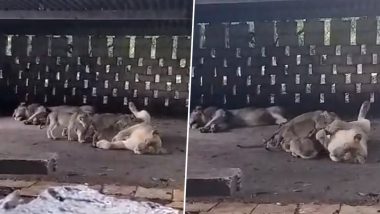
(41, 112)
(106, 126)
(298, 135)
(78, 122)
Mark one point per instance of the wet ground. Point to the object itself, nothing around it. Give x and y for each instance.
(85, 164)
(270, 177)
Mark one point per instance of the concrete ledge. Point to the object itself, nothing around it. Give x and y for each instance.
(154, 193)
(213, 182)
(275, 209)
(347, 209)
(199, 207)
(33, 165)
(252, 208)
(16, 184)
(37, 188)
(233, 207)
(111, 189)
(318, 208)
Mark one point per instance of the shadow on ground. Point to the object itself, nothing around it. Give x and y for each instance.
(270, 177)
(82, 163)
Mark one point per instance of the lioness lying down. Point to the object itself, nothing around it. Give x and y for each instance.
(213, 119)
(24, 111)
(141, 139)
(135, 134)
(347, 141)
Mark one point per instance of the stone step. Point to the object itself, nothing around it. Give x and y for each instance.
(42, 164)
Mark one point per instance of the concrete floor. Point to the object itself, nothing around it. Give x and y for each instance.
(85, 164)
(270, 177)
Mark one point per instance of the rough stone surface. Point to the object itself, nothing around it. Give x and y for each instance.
(346, 209)
(213, 182)
(78, 199)
(36, 189)
(318, 209)
(199, 206)
(176, 205)
(96, 187)
(178, 195)
(274, 209)
(110, 189)
(16, 183)
(41, 164)
(233, 208)
(154, 193)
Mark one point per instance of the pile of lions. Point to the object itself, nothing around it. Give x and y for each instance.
(108, 130)
(305, 136)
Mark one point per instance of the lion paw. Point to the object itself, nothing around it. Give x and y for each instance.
(213, 128)
(204, 130)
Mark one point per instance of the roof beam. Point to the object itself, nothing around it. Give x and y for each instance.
(282, 9)
(238, 1)
(95, 15)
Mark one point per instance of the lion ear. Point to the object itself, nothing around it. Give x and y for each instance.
(198, 108)
(81, 118)
(155, 132)
(325, 113)
(357, 138)
(119, 123)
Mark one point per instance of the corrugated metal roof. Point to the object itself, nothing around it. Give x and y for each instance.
(96, 9)
(43, 5)
(253, 10)
(237, 1)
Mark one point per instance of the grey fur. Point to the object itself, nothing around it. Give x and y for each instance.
(213, 119)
